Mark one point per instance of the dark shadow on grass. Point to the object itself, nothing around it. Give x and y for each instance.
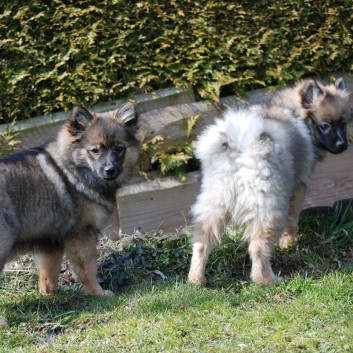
(55, 313)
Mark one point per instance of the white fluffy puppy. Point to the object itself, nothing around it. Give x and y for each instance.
(256, 163)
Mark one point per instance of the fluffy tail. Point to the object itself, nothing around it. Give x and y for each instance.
(236, 131)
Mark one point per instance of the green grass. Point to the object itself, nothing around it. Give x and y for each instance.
(155, 310)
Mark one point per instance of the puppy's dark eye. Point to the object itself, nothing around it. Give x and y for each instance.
(325, 127)
(94, 151)
(120, 148)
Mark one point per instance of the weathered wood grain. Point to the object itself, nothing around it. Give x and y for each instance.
(159, 205)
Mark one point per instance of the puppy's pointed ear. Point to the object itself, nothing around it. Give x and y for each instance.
(339, 84)
(127, 114)
(310, 93)
(78, 121)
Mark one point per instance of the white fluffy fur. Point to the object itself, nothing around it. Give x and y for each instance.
(244, 176)
(249, 176)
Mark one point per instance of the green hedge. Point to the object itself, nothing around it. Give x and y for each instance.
(54, 54)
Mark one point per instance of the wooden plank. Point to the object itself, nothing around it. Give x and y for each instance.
(159, 205)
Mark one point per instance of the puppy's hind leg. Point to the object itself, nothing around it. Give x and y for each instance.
(205, 235)
(289, 235)
(262, 241)
(49, 264)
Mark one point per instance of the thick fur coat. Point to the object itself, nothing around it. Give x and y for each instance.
(55, 198)
(256, 163)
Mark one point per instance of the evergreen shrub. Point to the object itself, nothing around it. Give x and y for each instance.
(54, 54)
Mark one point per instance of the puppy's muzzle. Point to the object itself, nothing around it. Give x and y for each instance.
(111, 172)
(340, 146)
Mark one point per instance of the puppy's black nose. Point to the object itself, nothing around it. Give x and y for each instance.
(341, 146)
(110, 171)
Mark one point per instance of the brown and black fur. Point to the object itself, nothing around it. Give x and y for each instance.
(324, 108)
(54, 198)
(326, 111)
